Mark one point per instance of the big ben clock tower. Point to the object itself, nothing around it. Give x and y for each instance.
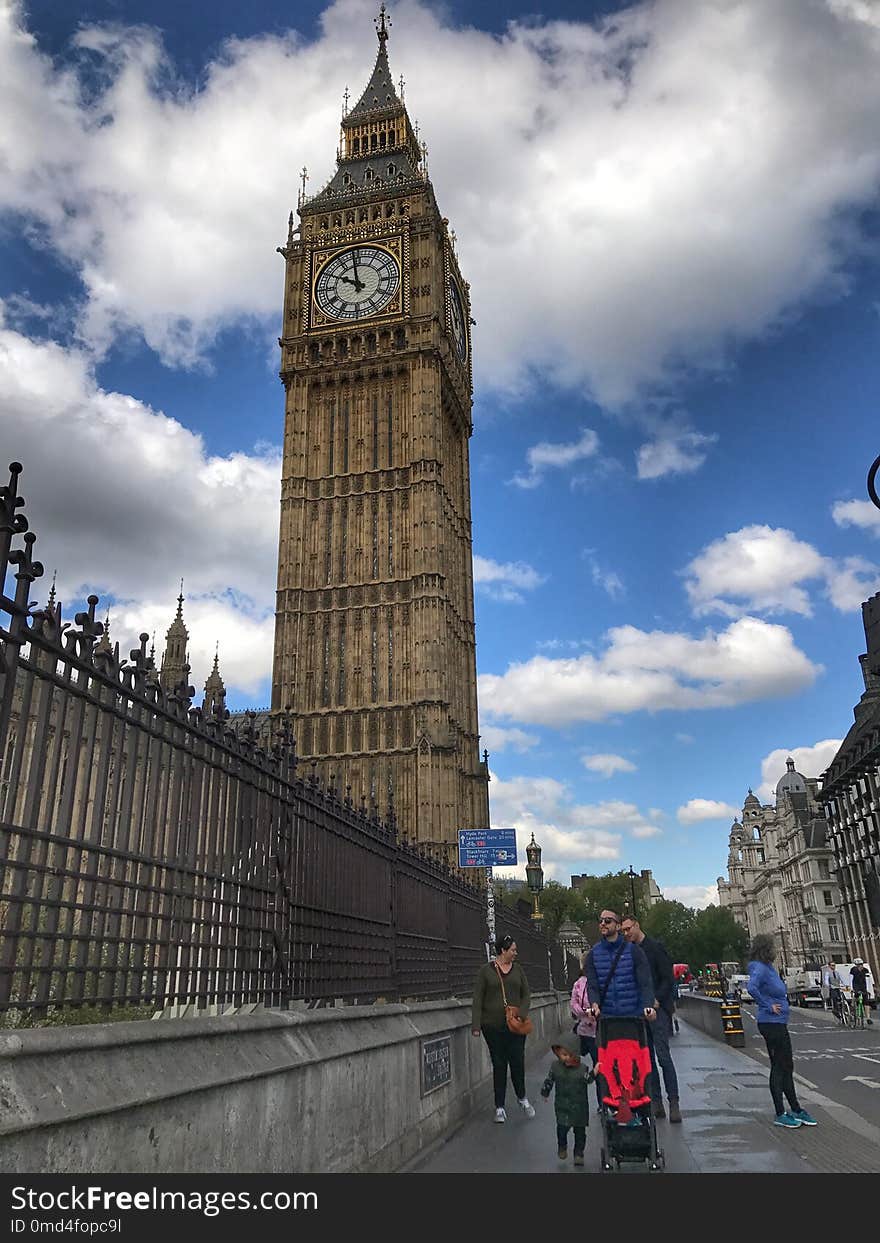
(374, 634)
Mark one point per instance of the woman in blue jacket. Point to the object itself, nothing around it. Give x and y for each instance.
(767, 987)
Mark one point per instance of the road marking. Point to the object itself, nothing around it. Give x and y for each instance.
(869, 1083)
(865, 1058)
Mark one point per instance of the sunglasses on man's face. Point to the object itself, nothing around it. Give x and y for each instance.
(603, 920)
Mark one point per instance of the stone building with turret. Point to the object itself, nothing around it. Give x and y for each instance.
(781, 873)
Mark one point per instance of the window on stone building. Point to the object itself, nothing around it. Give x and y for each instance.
(827, 898)
(833, 934)
(824, 872)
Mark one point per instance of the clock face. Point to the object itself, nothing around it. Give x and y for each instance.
(459, 334)
(357, 283)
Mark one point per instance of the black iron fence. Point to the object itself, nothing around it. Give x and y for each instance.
(151, 853)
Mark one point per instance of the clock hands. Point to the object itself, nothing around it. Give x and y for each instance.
(357, 283)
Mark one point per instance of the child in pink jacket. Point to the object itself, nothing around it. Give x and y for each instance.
(586, 1023)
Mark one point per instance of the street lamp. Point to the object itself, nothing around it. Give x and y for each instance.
(782, 942)
(534, 876)
(872, 482)
(632, 890)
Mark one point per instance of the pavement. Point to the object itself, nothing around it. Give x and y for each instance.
(727, 1128)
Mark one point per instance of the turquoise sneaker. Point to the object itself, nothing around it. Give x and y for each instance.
(789, 1120)
(805, 1118)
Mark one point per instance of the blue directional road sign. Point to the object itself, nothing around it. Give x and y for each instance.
(486, 848)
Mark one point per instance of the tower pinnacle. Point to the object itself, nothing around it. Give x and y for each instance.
(382, 26)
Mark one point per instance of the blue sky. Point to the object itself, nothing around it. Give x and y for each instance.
(668, 217)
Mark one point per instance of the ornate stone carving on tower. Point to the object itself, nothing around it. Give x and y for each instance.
(214, 703)
(175, 660)
(374, 635)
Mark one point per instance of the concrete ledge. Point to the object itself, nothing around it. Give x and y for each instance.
(333, 1090)
(703, 1012)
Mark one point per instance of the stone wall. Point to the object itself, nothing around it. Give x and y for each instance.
(335, 1090)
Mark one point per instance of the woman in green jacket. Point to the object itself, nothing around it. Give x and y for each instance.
(488, 1017)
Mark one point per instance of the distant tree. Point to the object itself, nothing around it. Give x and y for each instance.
(672, 923)
(613, 890)
(559, 903)
(715, 936)
(510, 897)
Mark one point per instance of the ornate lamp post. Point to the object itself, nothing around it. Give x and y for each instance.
(632, 890)
(534, 876)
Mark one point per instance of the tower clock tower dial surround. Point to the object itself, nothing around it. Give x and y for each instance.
(374, 638)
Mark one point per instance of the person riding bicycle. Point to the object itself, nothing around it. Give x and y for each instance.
(859, 977)
(832, 981)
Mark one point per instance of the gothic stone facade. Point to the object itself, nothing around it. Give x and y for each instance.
(851, 796)
(374, 639)
(781, 874)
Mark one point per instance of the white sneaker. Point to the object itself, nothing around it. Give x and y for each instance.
(501, 1115)
(528, 1110)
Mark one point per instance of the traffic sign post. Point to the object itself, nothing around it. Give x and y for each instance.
(490, 909)
(485, 848)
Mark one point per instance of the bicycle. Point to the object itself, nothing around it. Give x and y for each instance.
(859, 1015)
(844, 1011)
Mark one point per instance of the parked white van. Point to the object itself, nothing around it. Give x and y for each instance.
(804, 987)
(738, 988)
(844, 970)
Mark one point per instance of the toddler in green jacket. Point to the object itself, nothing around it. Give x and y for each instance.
(570, 1079)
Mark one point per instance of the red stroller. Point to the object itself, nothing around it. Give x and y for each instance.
(624, 1078)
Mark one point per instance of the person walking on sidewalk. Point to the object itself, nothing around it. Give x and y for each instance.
(569, 1078)
(581, 1012)
(767, 987)
(503, 977)
(618, 974)
(660, 1030)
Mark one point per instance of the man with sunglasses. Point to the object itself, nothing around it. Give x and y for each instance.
(661, 1029)
(619, 973)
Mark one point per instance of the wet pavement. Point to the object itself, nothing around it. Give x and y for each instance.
(727, 1128)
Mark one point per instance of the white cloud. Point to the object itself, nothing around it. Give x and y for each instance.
(755, 569)
(685, 739)
(673, 452)
(851, 581)
(652, 671)
(544, 456)
(714, 187)
(857, 514)
(608, 765)
(761, 569)
(570, 834)
(696, 896)
(698, 809)
(808, 761)
(609, 580)
(495, 738)
(507, 581)
(125, 501)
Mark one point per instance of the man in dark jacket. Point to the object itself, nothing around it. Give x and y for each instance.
(661, 1029)
(628, 987)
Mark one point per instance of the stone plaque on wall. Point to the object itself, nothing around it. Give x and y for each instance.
(436, 1064)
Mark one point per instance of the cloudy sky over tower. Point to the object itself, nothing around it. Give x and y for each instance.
(667, 215)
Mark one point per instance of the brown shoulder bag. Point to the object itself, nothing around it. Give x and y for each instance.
(519, 1027)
